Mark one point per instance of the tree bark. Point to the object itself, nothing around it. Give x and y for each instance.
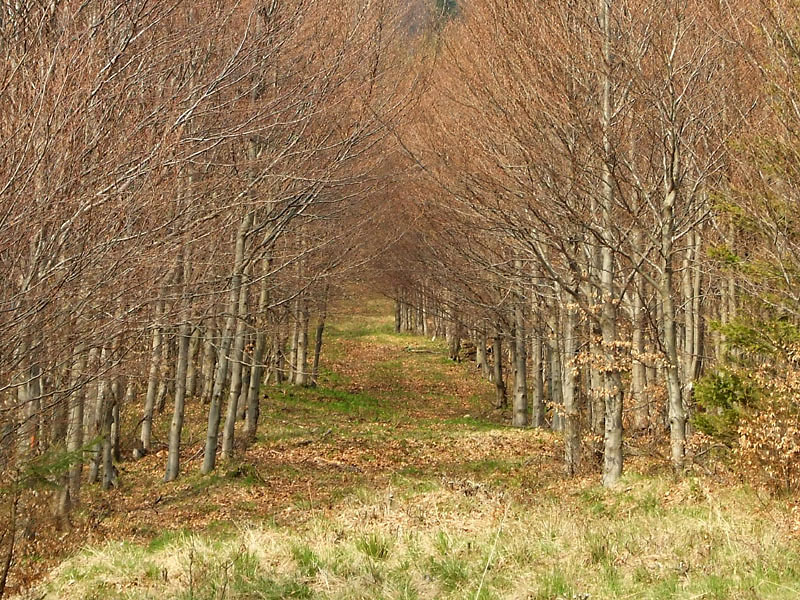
(480, 354)
(538, 415)
(641, 411)
(214, 408)
(676, 413)
(71, 484)
(520, 403)
(259, 353)
(497, 365)
(292, 366)
(237, 365)
(191, 369)
(209, 361)
(572, 412)
(318, 337)
(301, 366)
(184, 335)
(612, 451)
(98, 418)
(556, 374)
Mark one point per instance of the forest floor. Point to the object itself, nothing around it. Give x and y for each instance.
(395, 478)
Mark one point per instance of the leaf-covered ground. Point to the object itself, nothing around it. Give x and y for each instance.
(396, 479)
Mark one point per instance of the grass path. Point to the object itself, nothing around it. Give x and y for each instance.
(393, 479)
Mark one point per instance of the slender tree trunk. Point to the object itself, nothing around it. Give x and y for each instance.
(556, 373)
(497, 365)
(538, 417)
(70, 491)
(641, 412)
(572, 410)
(480, 354)
(98, 416)
(23, 402)
(209, 361)
(301, 365)
(293, 342)
(520, 403)
(247, 371)
(676, 413)
(278, 364)
(165, 369)
(152, 383)
(424, 302)
(191, 370)
(259, 353)
(90, 397)
(32, 424)
(318, 337)
(398, 316)
(111, 427)
(596, 382)
(236, 374)
(612, 451)
(214, 408)
(184, 335)
(176, 426)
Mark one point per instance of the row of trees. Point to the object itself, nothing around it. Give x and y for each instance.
(183, 188)
(606, 190)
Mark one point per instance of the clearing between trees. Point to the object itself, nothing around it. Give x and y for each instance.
(395, 478)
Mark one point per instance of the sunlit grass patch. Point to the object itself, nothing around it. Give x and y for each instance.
(449, 541)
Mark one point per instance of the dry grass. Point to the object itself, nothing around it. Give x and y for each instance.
(652, 538)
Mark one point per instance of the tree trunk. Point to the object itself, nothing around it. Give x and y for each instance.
(165, 368)
(318, 337)
(278, 362)
(70, 492)
(572, 411)
(209, 361)
(301, 365)
(520, 403)
(641, 412)
(497, 364)
(398, 312)
(214, 408)
(556, 374)
(107, 433)
(480, 354)
(152, 383)
(612, 451)
(538, 416)
(236, 374)
(98, 416)
(677, 416)
(184, 335)
(424, 313)
(191, 368)
(31, 426)
(292, 366)
(259, 353)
